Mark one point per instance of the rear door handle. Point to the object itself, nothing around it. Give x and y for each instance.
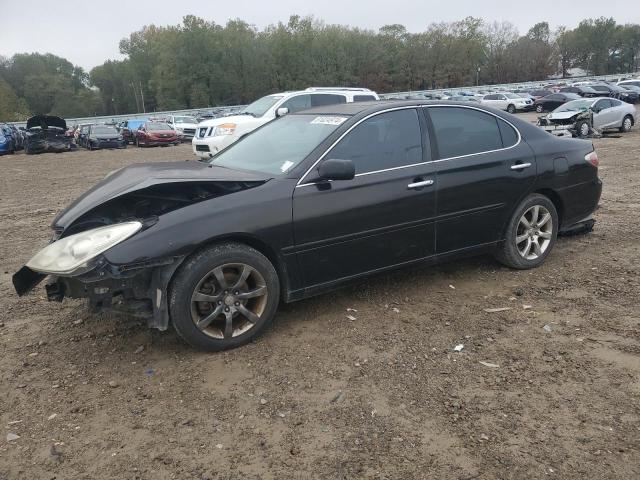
(520, 166)
(423, 183)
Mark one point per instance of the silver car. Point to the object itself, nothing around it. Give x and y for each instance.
(581, 117)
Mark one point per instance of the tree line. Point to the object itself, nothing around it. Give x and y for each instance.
(200, 63)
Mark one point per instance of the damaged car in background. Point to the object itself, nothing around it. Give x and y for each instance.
(46, 133)
(589, 117)
(309, 202)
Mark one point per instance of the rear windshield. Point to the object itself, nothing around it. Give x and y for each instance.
(158, 126)
(105, 130)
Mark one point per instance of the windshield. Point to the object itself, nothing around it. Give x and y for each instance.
(158, 126)
(574, 106)
(185, 120)
(105, 130)
(260, 107)
(280, 145)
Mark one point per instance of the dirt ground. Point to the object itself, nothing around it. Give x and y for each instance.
(383, 396)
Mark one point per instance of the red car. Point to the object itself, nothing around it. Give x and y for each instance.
(152, 134)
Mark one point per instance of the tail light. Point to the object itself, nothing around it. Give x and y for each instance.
(592, 158)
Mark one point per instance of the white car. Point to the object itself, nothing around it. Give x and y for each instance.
(581, 117)
(635, 82)
(185, 125)
(510, 102)
(218, 133)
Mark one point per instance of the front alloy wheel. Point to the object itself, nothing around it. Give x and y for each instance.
(530, 233)
(223, 297)
(229, 300)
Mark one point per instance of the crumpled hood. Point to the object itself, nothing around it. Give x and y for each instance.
(144, 175)
(563, 115)
(45, 121)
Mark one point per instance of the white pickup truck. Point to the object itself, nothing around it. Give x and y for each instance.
(218, 133)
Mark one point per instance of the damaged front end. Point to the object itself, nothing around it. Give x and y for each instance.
(578, 124)
(46, 133)
(116, 211)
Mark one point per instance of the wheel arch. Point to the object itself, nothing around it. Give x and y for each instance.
(555, 199)
(253, 242)
(547, 192)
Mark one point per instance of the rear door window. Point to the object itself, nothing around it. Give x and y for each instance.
(464, 131)
(297, 103)
(363, 98)
(388, 140)
(319, 99)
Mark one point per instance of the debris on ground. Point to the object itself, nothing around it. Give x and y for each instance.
(458, 348)
(12, 437)
(496, 310)
(547, 328)
(489, 364)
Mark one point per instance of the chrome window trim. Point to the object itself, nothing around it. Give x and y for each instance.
(471, 107)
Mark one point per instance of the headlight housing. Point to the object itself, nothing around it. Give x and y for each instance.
(224, 129)
(70, 254)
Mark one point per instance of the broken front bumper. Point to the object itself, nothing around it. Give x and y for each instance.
(138, 290)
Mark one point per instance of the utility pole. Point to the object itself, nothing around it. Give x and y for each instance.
(142, 97)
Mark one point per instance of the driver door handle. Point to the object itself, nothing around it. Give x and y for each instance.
(520, 166)
(420, 184)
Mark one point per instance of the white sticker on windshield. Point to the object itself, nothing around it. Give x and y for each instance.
(286, 166)
(329, 120)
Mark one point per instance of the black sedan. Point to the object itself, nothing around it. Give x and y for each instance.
(102, 136)
(309, 202)
(553, 101)
(614, 91)
(582, 90)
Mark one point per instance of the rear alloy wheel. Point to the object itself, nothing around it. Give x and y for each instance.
(627, 123)
(511, 109)
(531, 233)
(138, 143)
(223, 297)
(539, 109)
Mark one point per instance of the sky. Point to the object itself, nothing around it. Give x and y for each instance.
(88, 33)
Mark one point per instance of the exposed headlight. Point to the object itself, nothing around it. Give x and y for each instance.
(224, 129)
(2, 139)
(67, 255)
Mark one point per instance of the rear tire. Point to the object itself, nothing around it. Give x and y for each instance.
(223, 297)
(627, 123)
(530, 234)
(539, 108)
(511, 108)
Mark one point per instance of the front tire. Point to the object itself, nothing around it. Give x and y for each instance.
(627, 123)
(223, 297)
(583, 129)
(530, 234)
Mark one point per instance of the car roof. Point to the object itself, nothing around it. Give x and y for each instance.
(356, 108)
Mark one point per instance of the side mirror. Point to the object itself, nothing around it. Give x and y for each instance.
(282, 111)
(336, 169)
